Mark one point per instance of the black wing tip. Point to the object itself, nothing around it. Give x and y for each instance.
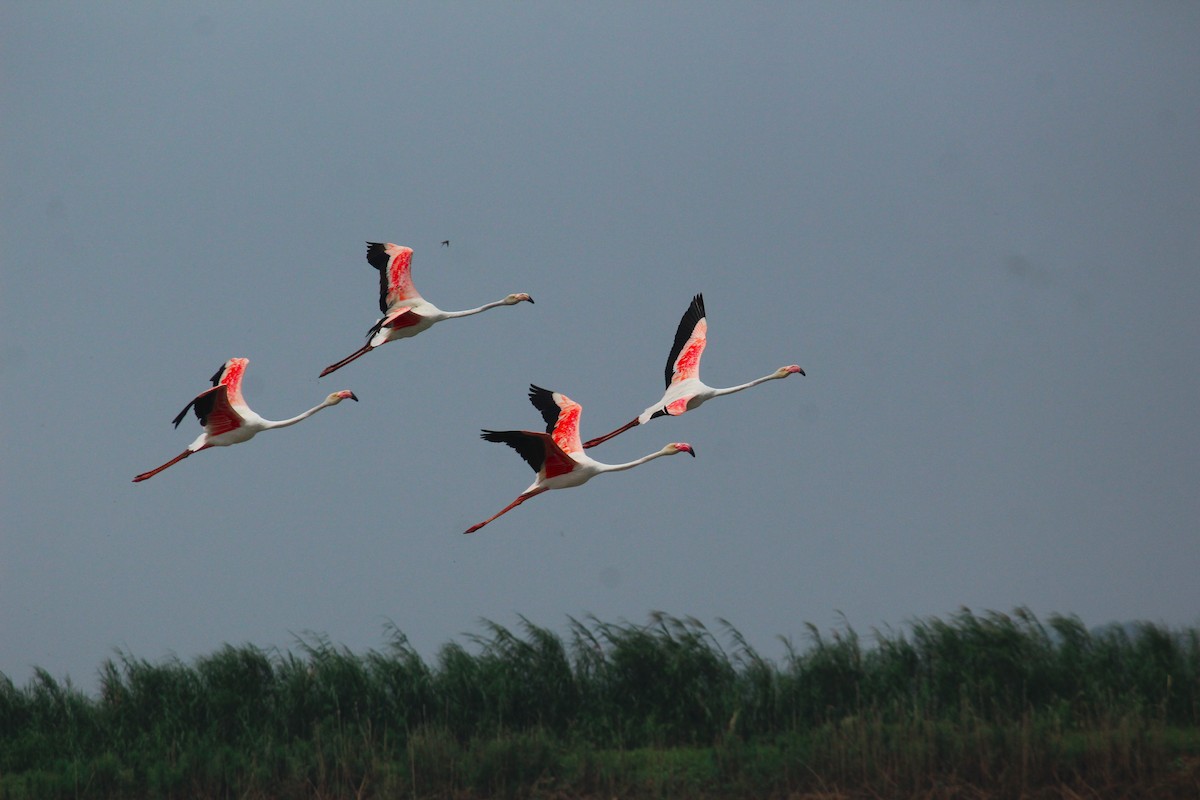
(543, 400)
(698, 303)
(377, 255)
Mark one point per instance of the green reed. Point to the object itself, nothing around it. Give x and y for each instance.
(665, 708)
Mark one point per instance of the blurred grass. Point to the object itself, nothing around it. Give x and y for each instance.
(974, 705)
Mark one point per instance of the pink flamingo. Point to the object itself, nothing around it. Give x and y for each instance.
(685, 390)
(226, 417)
(557, 455)
(405, 312)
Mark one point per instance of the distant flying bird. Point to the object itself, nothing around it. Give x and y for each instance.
(556, 455)
(685, 391)
(405, 312)
(445, 242)
(226, 417)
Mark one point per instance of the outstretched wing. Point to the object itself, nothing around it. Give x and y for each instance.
(217, 405)
(538, 449)
(690, 338)
(214, 411)
(562, 417)
(395, 279)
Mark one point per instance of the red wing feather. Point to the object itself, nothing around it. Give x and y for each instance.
(231, 379)
(690, 338)
(566, 430)
(405, 319)
(561, 414)
(220, 417)
(395, 273)
(558, 462)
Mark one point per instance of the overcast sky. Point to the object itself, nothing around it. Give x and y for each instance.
(976, 226)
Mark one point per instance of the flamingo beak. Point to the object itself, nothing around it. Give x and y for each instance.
(353, 397)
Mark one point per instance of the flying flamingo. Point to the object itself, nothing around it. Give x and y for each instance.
(405, 312)
(556, 455)
(685, 390)
(226, 417)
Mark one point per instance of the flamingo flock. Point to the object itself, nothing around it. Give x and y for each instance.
(557, 455)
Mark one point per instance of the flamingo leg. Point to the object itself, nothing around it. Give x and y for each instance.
(366, 348)
(520, 499)
(607, 436)
(173, 461)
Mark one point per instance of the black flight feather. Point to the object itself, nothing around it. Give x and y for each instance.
(528, 445)
(543, 401)
(202, 405)
(378, 258)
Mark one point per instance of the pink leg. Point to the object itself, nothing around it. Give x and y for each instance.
(157, 470)
(607, 436)
(520, 499)
(366, 348)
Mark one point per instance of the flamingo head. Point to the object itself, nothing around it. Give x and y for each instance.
(791, 369)
(337, 397)
(680, 447)
(519, 297)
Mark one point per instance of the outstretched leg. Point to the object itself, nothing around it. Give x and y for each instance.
(366, 348)
(607, 436)
(157, 470)
(520, 499)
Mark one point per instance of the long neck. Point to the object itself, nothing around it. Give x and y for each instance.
(470, 311)
(741, 386)
(283, 423)
(631, 464)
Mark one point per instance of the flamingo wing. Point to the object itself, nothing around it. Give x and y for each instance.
(214, 411)
(395, 273)
(227, 378)
(230, 376)
(562, 417)
(538, 449)
(404, 318)
(691, 336)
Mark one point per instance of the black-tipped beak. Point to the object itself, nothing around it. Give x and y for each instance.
(531, 300)
(691, 451)
(354, 397)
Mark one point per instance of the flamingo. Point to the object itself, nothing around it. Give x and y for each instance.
(685, 390)
(556, 455)
(405, 312)
(226, 417)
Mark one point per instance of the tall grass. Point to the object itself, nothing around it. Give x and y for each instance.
(666, 708)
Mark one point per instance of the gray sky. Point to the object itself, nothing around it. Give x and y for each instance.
(974, 225)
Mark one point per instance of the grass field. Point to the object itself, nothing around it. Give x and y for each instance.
(990, 705)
